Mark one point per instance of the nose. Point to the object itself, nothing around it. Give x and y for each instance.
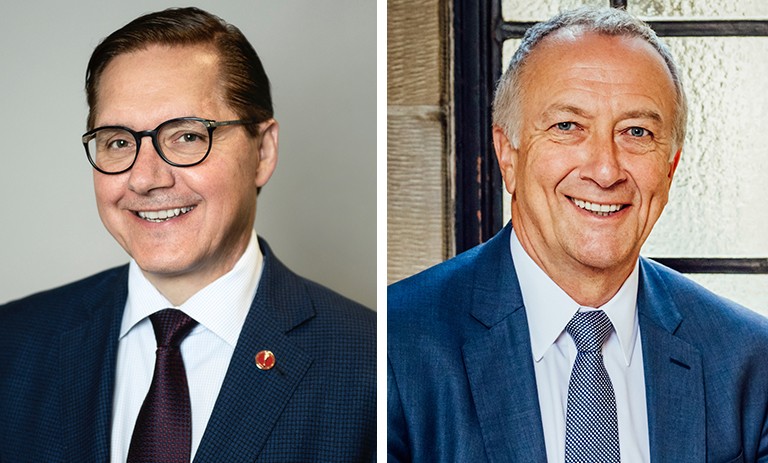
(149, 172)
(602, 164)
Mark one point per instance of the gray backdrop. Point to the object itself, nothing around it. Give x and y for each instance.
(318, 211)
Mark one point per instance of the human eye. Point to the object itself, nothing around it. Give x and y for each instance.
(185, 132)
(566, 132)
(184, 141)
(565, 126)
(190, 137)
(114, 141)
(187, 136)
(639, 132)
(118, 144)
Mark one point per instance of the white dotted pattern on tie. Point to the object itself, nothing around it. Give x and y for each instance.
(591, 426)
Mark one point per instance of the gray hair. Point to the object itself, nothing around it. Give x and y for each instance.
(606, 21)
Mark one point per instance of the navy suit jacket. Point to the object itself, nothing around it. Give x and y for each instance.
(57, 367)
(461, 384)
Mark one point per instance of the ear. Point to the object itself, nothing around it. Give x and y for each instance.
(673, 164)
(506, 154)
(268, 137)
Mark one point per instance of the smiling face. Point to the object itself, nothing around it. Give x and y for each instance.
(187, 226)
(593, 167)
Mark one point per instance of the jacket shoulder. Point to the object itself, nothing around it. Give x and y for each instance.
(709, 320)
(345, 320)
(435, 307)
(328, 297)
(436, 285)
(62, 307)
(336, 322)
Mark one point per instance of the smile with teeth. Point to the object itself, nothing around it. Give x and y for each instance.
(162, 216)
(598, 209)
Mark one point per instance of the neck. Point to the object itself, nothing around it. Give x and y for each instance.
(178, 291)
(178, 287)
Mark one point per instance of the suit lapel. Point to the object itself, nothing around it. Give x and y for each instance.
(251, 400)
(674, 377)
(499, 362)
(501, 376)
(87, 357)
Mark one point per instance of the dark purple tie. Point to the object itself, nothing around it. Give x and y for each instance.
(163, 431)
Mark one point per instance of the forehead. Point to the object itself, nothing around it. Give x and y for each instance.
(575, 43)
(179, 80)
(596, 66)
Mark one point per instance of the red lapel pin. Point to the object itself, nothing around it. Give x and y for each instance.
(265, 360)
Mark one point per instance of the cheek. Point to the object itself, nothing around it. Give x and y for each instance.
(227, 185)
(107, 195)
(547, 168)
(106, 190)
(234, 176)
(653, 178)
(653, 187)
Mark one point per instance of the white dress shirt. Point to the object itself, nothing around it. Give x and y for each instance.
(548, 309)
(220, 308)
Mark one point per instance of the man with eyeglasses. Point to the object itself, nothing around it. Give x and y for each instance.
(205, 346)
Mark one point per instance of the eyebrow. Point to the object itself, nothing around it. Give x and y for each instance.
(564, 108)
(575, 110)
(642, 114)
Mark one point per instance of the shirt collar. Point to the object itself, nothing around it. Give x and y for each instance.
(221, 307)
(548, 308)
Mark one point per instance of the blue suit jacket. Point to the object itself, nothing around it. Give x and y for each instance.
(57, 367)
(461, 384)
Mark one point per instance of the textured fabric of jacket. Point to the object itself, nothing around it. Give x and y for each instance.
(461, 385)
(57, 366)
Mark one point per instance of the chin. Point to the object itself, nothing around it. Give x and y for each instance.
(165, 266)
(602, 260)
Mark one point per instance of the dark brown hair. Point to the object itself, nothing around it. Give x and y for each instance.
(245, 84)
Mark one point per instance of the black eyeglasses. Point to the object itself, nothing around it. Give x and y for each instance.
(181, 142)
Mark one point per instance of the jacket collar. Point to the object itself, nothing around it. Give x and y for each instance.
(241, 422)
(88, 355)
(674, 372)
(502, 379)
(499, 362)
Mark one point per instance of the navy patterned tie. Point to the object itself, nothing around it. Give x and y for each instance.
(591, 426)
(163, 431)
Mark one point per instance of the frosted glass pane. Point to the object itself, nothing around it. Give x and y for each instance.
(698, 9)
(655, 10)
(526, 10)
(747, 290)
(507, 50)
(716, 203)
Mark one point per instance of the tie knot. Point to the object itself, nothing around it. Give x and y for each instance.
(589, 330)
(171, 326)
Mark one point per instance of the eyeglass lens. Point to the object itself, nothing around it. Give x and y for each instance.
(182, 142)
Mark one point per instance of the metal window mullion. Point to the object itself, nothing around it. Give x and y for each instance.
(740, 28)
(477, 65)
(720, 265)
